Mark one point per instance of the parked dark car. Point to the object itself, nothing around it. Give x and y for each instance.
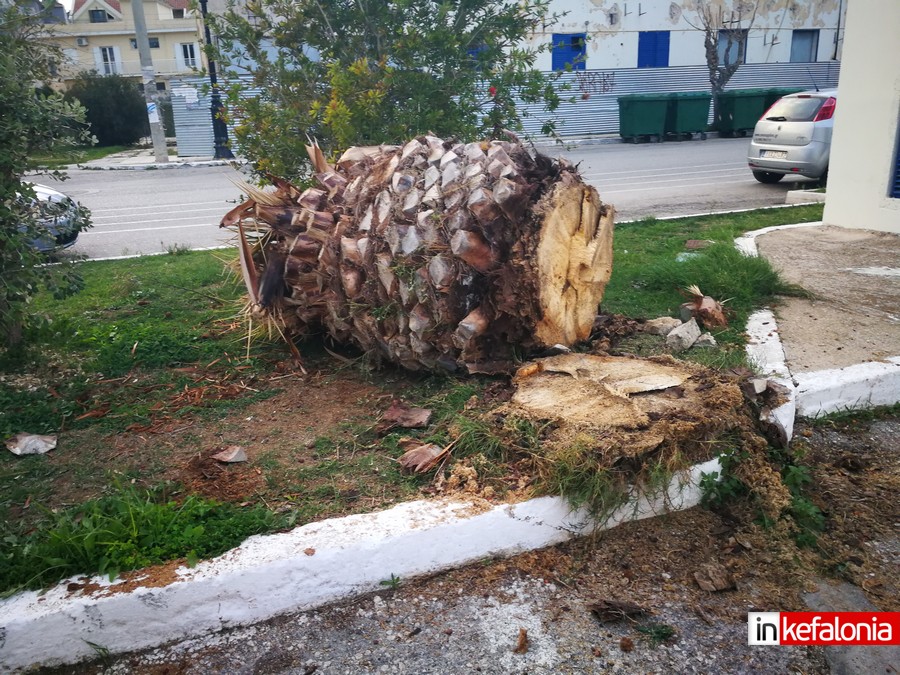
(59, 219)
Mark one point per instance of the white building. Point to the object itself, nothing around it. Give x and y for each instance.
(661, 33)
(864, 172)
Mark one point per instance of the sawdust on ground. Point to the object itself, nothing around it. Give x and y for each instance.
(854, 275)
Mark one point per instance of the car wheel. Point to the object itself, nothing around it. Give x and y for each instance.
(823, 179)
(767, 176)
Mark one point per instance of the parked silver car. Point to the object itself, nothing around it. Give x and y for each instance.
(793, 137)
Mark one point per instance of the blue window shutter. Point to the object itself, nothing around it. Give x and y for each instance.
(569, 50)
(895, 183)
(653, 49)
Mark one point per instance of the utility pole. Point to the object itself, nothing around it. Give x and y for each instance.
(220, 130)
(157, 135)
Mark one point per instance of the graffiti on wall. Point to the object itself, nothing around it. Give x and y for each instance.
(595, 82)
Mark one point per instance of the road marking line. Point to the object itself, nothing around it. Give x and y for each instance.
(145, 229)
(607, 197)
(120, 218)
(613, 176)
(222, 202)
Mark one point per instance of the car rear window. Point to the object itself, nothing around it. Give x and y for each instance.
(794, 109)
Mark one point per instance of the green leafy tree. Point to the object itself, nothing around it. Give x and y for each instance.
(351, 72)
(29, 121)
(115, 107)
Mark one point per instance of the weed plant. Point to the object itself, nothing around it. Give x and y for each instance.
(127, 530)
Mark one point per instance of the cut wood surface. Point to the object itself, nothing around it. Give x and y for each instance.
(432, 255)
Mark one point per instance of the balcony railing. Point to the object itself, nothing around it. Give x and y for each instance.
(133, 67)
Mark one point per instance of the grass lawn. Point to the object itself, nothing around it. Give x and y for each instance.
(148, 372)
(75, 155)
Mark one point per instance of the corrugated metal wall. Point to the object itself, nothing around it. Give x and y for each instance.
(594, 111)
(193, 119)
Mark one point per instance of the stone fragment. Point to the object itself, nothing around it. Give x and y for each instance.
(661, 326)
(706, 340)
(683, 337)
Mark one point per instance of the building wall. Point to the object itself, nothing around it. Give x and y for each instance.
(867, 122)
(168, 58)
(613, 29)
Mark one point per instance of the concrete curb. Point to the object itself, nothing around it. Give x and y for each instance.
(812, 394)
(803, 197)
(310, 566)
(153, 166)
(864, 385)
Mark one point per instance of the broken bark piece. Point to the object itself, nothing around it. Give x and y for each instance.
(709, 312)
(521, 642)
(612, 611)
(713, 577)
(473, 249)
(401, 415)
(422, 457)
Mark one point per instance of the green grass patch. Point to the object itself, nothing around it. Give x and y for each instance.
(75, 155)
(126, 530)
(125, 343)
(646, 277)
(850, 418)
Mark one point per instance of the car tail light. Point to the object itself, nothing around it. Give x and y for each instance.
(826, 112)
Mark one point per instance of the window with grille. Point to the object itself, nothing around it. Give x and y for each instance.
(569, 51)
(154, 43)
(108, 59)
(98, 16)
(189, 55)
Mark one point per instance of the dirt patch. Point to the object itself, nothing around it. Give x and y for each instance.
(855, 276)
(203, 475)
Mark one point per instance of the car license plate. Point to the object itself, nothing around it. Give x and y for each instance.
(774, 154)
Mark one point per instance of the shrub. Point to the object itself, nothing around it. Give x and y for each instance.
(116, 110)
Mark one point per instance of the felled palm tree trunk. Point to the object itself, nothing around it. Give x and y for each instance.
(434, 255)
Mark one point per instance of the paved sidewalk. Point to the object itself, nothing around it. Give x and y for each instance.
(142, 159)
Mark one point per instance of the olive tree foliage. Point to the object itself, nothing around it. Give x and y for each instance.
(29, 121)
(363, 72)
(725, 31)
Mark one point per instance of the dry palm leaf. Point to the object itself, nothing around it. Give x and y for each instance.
(421, 457)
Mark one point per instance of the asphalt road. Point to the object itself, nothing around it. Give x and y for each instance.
(154, 211)
(676, 178)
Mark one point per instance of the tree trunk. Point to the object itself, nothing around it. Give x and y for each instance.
(434, 255)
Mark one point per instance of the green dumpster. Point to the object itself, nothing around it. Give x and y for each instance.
(739, 110)
(688, 113)
(642, 115)
(776, 93)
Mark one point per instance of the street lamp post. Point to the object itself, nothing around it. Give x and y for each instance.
(220, 131)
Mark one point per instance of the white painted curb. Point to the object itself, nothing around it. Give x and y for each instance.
(274, 574)
(863, 385)
(812, 394)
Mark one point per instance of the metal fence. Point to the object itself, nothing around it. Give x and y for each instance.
(193, 120)
(593, 110)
